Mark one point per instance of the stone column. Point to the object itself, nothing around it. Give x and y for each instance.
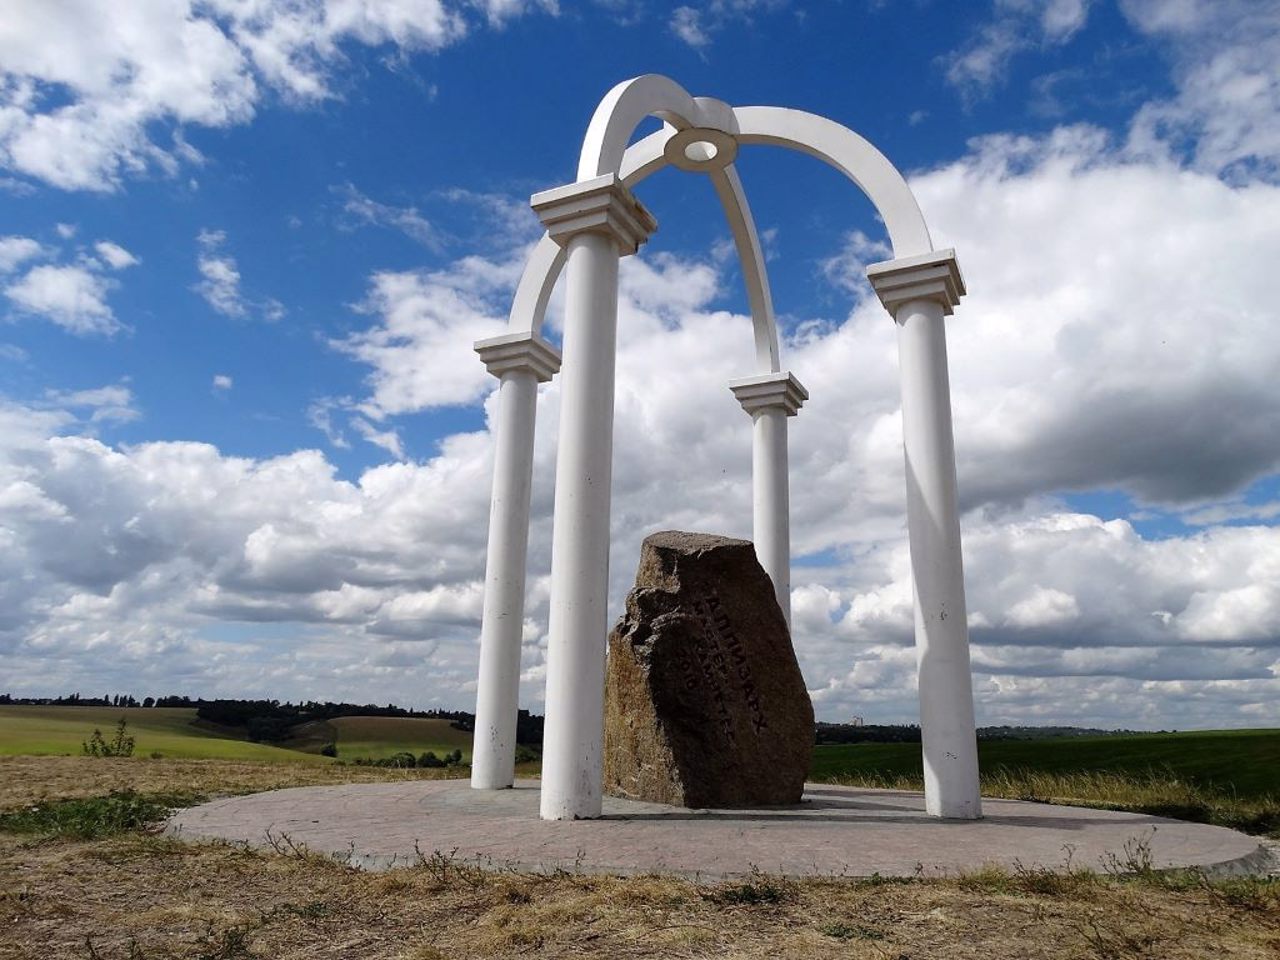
(597, 221)
(918, 292)
(520, 361)
(770, 399)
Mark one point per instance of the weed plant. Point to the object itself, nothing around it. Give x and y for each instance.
(93, 818)
(757, 888)
(120, 745)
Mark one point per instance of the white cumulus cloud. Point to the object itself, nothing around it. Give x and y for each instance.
(1014, 27)
(219, 283)
(421, 347)
(14, 251)
(112, 402)
(114, 255)
(91, 95)
(1228, 92)
(220, 279)
(73, 297)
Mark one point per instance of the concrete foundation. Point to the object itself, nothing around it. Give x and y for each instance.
(837, 831)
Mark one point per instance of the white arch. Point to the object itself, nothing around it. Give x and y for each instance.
(598, 220)
(751, 261)
(605, 149)
(642, 159)
(653, 95)
(853, 156)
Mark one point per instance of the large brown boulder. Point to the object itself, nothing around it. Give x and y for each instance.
(704, 702)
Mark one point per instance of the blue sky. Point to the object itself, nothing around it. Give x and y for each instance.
(245, 246)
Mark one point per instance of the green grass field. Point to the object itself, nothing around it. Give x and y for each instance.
(175, 732)
(382, 736)
(1244, 762)
(170, 731)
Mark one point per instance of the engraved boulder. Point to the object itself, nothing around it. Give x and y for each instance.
(704, 702)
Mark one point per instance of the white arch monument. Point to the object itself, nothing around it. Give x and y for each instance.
(593, 222)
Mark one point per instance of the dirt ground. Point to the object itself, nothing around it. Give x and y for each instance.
(139, 896)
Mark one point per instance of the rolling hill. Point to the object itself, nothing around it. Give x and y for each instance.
(176, 732)
(169, 731)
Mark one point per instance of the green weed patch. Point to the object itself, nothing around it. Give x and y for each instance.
(94, 817)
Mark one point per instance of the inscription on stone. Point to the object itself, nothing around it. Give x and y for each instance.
(704, 702)
(721, 663)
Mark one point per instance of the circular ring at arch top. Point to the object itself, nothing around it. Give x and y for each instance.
(605, 147)
(700, 149)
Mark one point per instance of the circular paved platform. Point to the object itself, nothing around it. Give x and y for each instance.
(836, 831)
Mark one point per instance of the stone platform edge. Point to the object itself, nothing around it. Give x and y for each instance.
(1262, 862)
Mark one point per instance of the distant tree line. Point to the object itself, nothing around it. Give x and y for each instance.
(1047, 733)
(528, 728)
(910, 733)
(867, 733)
(237, 712)
(75, 700)
(405, 759)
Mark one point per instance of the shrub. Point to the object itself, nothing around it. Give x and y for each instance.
(429, 759)
(526, 754)
(121, 744)
(268, 728)
(329, 750)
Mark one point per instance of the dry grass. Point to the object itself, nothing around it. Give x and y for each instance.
(141, 897)
(144, 897)
(27, 780)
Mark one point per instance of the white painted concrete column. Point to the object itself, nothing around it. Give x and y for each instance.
(770, 399)
(597, 221)
(520, 361)
(918, 292)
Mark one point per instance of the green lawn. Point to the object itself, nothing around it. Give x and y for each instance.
(1244, 761)
(170, 731)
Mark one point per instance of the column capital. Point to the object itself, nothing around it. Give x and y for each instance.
(770, 390)
(929, 276)
(519, 351)
(603, 205)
